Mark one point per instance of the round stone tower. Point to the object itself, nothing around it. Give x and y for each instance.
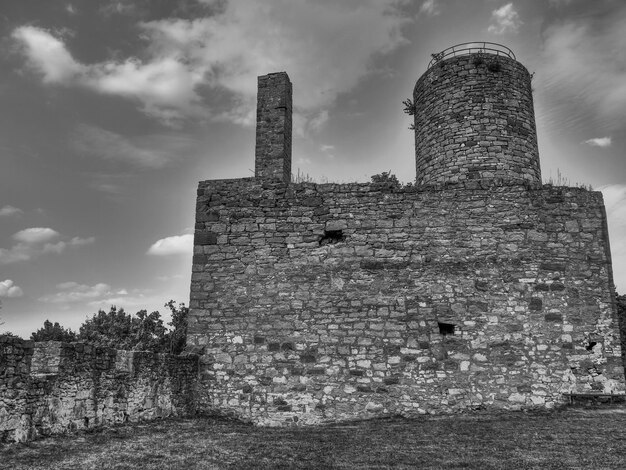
(474, 118)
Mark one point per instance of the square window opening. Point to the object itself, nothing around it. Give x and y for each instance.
(332, 236)
(446, 328)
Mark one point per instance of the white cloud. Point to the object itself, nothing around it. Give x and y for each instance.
(16, 253)
(60, 246)
(615, 204)
(35, 241)
(70, 9)
(175, 245)
(134, 300)
(151, 151)
(318, 121)
(117, 7)
(75, 292)
(599, 142)
(78, 241)
(112, 184)
(57, 248)
(583, 72)
(505, 20)
(9, 289)
(165, 86)
(326, 47)
(35, 235)
(430, 7)
(48, 55)
(10, 210)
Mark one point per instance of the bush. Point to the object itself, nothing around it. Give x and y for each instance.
(177, 336)
(386, 178)
(117, 329)
(53, 332)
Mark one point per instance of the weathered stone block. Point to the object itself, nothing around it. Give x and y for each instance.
(552, 266)
(391, 380)
(205, 238)
(481, 285)
(308, 358)
(553, 317)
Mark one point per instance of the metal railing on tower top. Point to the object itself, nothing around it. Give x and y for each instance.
(467, 48)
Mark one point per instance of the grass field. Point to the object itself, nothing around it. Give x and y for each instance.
(571, 438)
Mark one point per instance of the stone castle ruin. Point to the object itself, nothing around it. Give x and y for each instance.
(477, 287)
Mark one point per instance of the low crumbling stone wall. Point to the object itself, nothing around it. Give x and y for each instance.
(329, 302)
(52, 387)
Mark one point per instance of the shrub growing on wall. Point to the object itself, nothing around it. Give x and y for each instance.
(177, 336)
(53, 332)
(117, 329)
(386, 178)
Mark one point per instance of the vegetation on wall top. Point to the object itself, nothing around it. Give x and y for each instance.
(117, 329)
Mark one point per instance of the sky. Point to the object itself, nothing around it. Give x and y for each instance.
(111, 111)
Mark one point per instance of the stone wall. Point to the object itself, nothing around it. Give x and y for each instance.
(327, 302)
(52, 387)
(474, 120)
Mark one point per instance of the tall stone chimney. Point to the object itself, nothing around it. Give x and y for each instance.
(273, 128)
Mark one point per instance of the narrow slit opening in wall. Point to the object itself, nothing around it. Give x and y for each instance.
(590, 346)
(446, 328)
(332, 236)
